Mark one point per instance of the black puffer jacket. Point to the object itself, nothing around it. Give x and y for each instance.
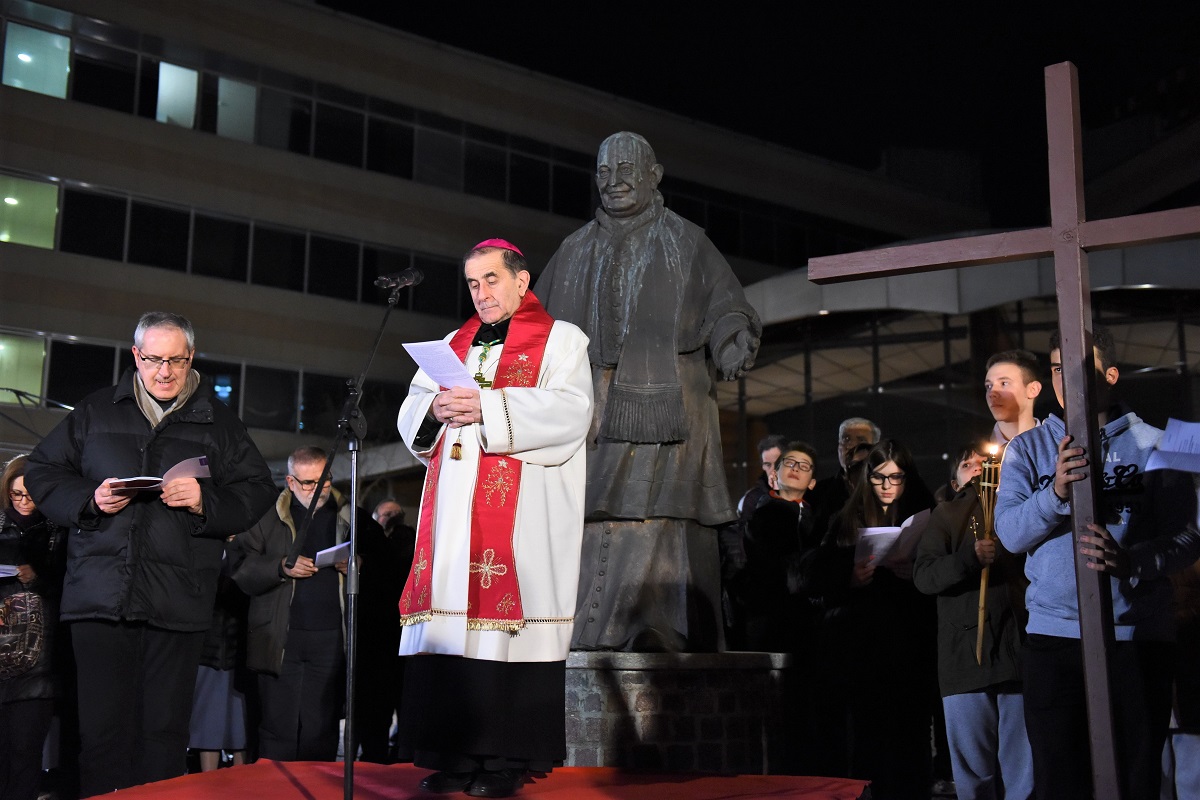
(40, 545)
(149, 562)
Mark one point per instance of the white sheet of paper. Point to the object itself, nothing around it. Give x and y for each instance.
(331, 555)
(893, 544)
(189, 468)
(1179, 447)
(440, 364)
(8, 570)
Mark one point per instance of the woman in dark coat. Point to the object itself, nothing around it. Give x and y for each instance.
(878, 631)
(32, 547)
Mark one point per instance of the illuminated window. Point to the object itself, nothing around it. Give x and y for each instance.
(177, 87)
(21, 360)
(235, 109)
(36, 61)
(27, 212)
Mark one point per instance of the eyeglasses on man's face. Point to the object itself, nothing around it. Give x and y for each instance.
(307, 486)
(178, 362)
(879, 479)
(799, 466)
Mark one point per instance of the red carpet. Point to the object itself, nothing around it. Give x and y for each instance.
(311, 780)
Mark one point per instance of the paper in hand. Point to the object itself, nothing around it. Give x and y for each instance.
(331, 555)
(188, 468)
(440, 364)
(1179, 448)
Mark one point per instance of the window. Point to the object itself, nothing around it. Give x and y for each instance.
(285, 122)
(93, 225)
(573, 192)
(484, 173)
(390, 148)
(177, 89)
(28, 210)
(439, 160)
(278, 259)
(226, 377)
(21, 360)
(220, 248)
(439, 291)
(322, 402)
(158, 237)
(339, 135)
(270, 398)
(36, 61)
(333, 268)
(235, 109)
(77, 370)
(528, 182)
(103, 76)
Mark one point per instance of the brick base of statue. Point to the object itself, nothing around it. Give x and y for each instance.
(680, 712)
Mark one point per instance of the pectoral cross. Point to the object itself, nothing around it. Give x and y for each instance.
(483, 382)
(1068, 239)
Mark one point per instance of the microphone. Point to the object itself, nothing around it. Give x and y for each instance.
(398, 280)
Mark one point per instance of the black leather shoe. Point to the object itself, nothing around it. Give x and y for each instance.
(503, 783)
(445, 782)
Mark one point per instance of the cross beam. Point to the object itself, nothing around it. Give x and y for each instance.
(1068, 239)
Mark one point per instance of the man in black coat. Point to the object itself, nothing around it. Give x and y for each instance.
(142, 566)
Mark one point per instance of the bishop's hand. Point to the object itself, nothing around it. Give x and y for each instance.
(457, 407)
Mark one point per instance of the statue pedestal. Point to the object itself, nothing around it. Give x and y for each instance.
(685, 712)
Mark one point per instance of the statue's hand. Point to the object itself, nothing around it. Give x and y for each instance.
(738, 355)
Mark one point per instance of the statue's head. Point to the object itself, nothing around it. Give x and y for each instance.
(626, 174)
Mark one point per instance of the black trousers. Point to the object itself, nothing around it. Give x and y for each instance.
(135, 702)
(301, 707)
(23, 728)
(1056, 715)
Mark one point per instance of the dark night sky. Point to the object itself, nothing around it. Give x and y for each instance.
(843, 81)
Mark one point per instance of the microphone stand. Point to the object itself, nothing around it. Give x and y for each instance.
(352, 428)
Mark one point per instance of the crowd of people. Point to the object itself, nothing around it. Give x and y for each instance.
(973, 599)
(177, 621)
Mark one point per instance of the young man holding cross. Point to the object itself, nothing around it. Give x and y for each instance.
(1149, 530)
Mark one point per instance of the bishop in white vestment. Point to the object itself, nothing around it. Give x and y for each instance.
(489, 604)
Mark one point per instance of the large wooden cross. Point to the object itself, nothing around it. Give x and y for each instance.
(1069, 238)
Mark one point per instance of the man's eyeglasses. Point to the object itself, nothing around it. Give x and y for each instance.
(878, 479)
(305, 485)
(178, 362)
(799, 466)
(18, 497)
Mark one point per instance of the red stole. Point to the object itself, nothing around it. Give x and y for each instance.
(493, 593)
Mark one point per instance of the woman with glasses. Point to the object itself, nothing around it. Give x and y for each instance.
(31, 561)
(878, 632)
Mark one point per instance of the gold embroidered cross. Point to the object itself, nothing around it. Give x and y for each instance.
(487, 567)
(506, 603)
(420, 566)
(498, 480)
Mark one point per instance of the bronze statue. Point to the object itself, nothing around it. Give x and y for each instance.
(665, 315)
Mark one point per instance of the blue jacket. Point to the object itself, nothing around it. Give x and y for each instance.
(1151, 514)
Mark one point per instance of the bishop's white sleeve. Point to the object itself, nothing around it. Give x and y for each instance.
(546, 424)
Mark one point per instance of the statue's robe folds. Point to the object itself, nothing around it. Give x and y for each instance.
(476, 690)
(659, 303)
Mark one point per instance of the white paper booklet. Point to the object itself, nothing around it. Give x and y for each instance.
(188, 468)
